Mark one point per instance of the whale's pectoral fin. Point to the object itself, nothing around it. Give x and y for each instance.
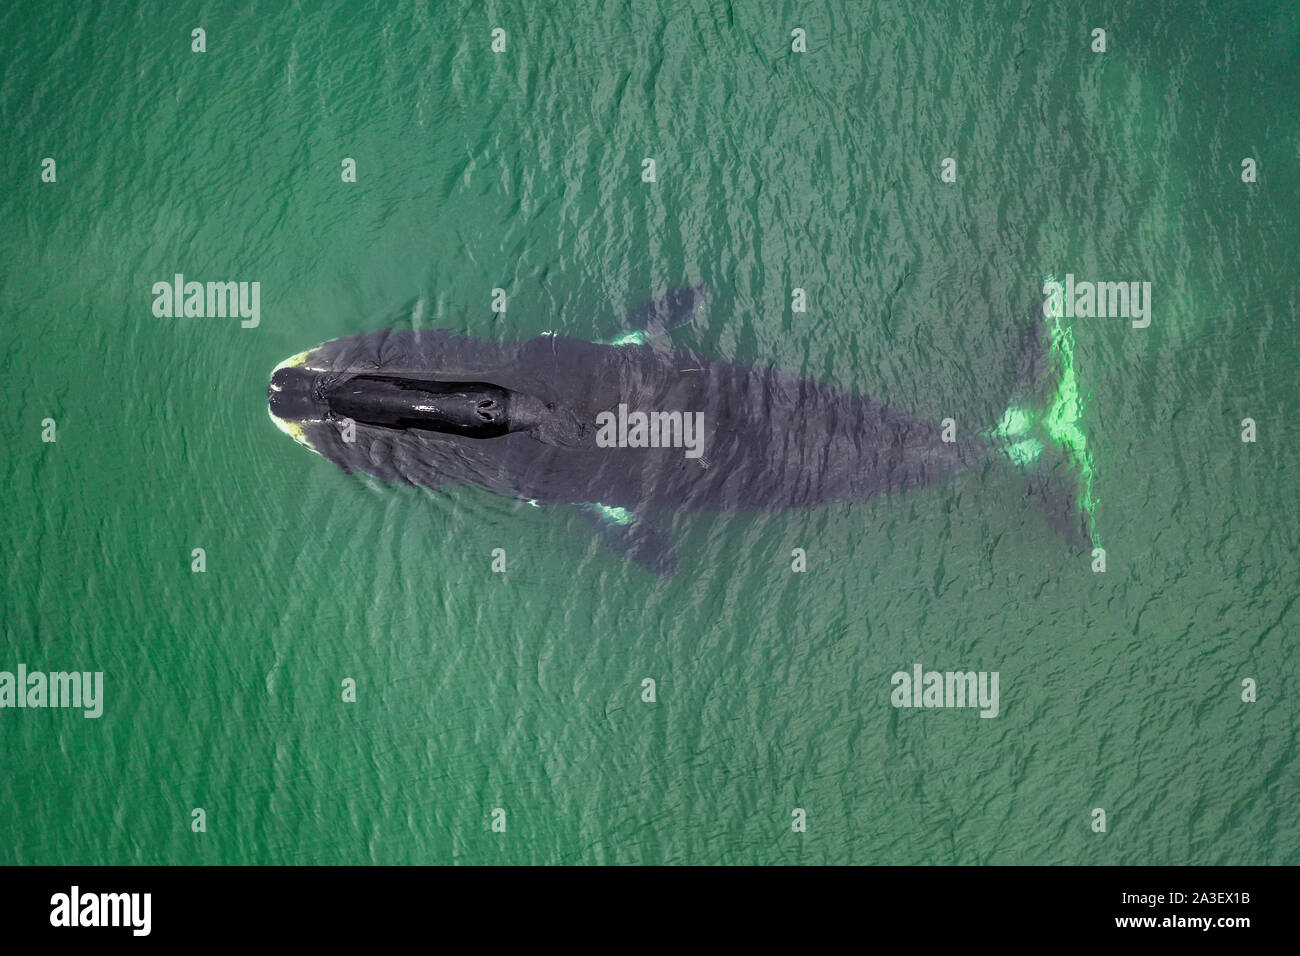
(656, 318)
(634, 538)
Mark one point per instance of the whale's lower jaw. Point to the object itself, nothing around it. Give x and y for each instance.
(294, 430)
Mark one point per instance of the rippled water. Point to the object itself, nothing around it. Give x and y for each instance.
(523, 171)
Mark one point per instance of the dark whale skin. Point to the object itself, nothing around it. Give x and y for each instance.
(771, 440)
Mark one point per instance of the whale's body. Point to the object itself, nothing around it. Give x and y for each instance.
(525, 419)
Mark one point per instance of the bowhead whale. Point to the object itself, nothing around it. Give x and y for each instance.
(625, 429)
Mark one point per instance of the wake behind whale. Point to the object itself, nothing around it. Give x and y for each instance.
(628, 430)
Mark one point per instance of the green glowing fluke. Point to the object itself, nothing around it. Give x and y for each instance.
(1064, 415)
(1059, 424)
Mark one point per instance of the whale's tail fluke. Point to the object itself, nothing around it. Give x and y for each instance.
(1042, 432)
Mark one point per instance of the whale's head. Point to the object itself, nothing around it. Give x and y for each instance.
(292, 398)
(308, 393)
